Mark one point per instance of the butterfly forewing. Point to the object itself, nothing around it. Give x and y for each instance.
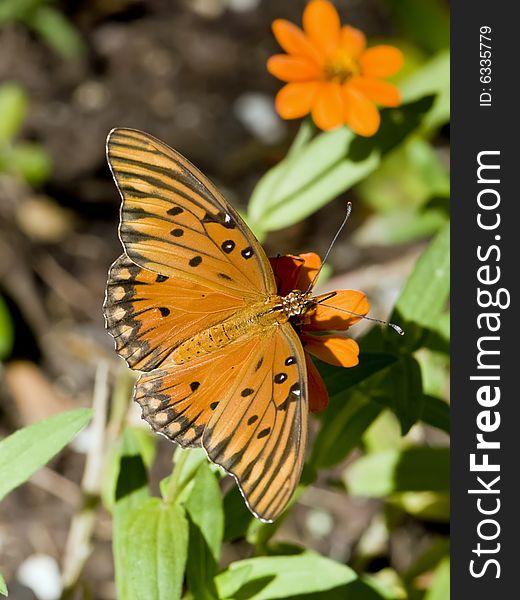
(176, 223)
(259, 434)
(149, 315)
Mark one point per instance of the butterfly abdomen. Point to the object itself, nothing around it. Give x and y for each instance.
(244, 324)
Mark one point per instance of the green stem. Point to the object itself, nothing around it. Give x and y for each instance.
(174, 486)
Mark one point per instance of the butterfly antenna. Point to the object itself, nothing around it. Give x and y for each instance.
(350, 312)
(344, 222)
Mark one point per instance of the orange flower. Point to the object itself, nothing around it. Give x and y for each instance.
(296, 273)
(330, 72)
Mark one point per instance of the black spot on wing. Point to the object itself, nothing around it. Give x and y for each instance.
(222, 218)
(195, 261)
(280, 377)
(264, 432)
(176, 210)
(228, 246)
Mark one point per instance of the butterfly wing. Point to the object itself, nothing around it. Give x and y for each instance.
(179, 401)
(176, 223)
(248, 406)
(149, 315)
(259, 434)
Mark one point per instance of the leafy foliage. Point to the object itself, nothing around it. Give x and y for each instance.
(25, 451)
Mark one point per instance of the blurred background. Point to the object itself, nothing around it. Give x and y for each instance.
(193, 74)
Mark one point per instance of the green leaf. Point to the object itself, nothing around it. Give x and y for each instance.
(6, 330)
(179, 484)
(130, 494)
(388, 380)
(350, 411)
(237, 517)
(408, 177)
(3, 587)
(436, 412)
(13, 110)
(204, 506)
(25, 451)
(201, 566)
(57, 31)
(429, 506)
(327, 166)
(440, 589)
(342, 432)
(411, 469)
(426, 22)
(428, 559)
(399, 227)
(339, 379)
(30, 161)
(266, 578)
(384, 434)
(133, 452)
(426, 291)
(363, 588)
(16, 10)
(155, 549)
(431, 78)
(403, 387)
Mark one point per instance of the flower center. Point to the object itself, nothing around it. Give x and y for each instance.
(340, 67)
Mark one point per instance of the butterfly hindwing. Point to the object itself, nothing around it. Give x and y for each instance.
(259, 434)
(179, 401)
(176, 223)
(149, 314)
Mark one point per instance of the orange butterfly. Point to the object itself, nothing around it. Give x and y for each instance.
(194, 303)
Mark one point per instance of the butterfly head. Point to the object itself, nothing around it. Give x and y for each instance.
(296, 303)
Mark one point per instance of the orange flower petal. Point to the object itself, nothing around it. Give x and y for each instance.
(328, 109)
(296, 99)
(379, 91)
(352, 40)
(292, 39)
(333, 349)
(326, 317)
(361, 114)
(321, 23)
(381, 61)
(294, 272)
(292, 68)
(318, 394)
(286, 269)
(311, 265)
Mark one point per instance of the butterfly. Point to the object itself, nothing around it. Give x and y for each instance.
(194, 305)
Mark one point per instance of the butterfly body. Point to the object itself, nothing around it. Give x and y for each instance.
(248, 323)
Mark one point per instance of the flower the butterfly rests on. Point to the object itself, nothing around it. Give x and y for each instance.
(298, 272)
(194, 304)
